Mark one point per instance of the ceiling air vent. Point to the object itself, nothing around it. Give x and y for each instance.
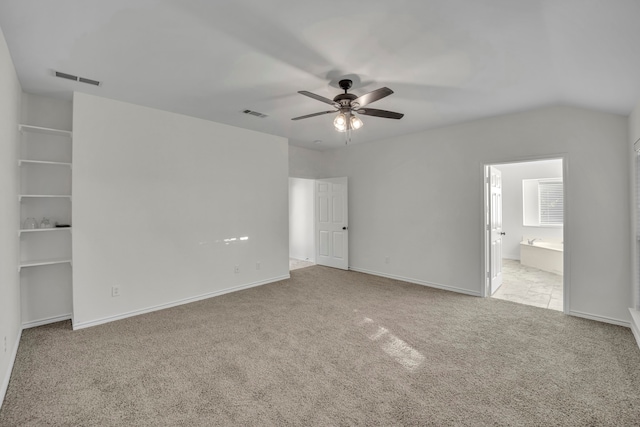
(66, 76)
(88, 81)
(255, 113)
(76, 78)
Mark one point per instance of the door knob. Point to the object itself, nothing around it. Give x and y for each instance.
(502, 233)
(344, 228)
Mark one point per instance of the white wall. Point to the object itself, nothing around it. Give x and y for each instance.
(301, 219)
(418, 199)
(155, 195)
(305, 163)
(10, 326)
(512, 206)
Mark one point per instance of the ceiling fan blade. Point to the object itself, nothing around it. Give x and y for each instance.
(314, 114)
(372, 96)
(318, 97)
(380, 113)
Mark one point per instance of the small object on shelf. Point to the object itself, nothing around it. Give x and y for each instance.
(45, 223)
(30, 224)
(62, 225)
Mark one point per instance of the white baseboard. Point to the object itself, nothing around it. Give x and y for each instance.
(417, 281)
(34, 323)
(121, 316)
(635, 324)
(598, 318)
(7, 375)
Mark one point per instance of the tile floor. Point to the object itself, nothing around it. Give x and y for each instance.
(528, 285)
(294, 264)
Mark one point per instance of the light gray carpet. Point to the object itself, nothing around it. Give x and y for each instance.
(329, 347)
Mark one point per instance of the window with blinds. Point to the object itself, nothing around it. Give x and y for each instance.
(551, 200)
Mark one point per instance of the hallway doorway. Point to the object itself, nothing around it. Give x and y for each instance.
(302, 243)
(318, 222)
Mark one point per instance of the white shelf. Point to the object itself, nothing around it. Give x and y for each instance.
(36, 263)
(42, 162)
(44, 196)
(42, 230)
(48, 131)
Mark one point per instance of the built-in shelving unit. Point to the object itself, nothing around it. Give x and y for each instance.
(44, 175)
(45, 187)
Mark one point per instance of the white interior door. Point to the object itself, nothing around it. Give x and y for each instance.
(332, 235)
(495, 228)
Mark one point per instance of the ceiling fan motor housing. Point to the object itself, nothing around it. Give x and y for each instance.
(344, 99)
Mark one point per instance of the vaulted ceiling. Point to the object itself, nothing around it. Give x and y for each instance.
(448, 61)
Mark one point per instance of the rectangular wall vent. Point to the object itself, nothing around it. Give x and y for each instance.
(76, 78)
(255, 113)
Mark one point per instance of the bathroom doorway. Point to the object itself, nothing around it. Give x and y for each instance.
(524, 232)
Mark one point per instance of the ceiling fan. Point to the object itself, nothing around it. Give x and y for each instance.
(346, 104)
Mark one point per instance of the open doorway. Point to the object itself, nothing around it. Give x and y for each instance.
(302, 244)
(318, 222)
(525, 232)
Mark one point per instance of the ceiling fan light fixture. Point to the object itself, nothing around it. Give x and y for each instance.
(356, 123)
(340, 122)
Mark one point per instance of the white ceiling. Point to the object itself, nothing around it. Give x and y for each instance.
(448, 61)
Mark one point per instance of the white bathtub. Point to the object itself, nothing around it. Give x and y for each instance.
(547, 256)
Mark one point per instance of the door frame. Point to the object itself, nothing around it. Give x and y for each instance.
(485, 284)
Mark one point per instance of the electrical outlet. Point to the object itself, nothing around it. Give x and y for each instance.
(386, 260)
(258, 265)
(115, 291)
(237, 269)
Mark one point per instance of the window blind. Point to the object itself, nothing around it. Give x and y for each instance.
(551, 202)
